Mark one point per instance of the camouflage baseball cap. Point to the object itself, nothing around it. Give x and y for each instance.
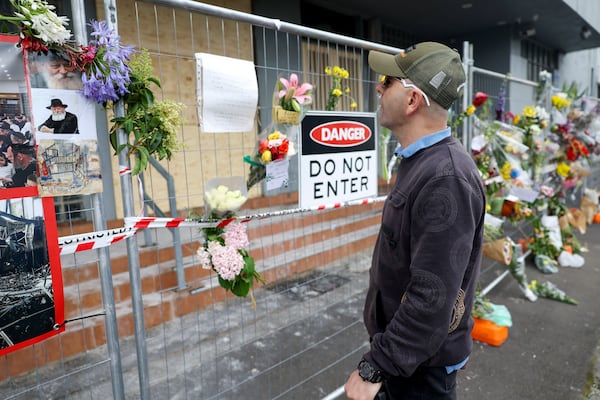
(433, 67)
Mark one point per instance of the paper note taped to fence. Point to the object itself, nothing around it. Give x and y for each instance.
(227, 93)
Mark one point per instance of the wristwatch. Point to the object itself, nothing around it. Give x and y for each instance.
(368, 373)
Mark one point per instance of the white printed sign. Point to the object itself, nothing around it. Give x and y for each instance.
(338, 158)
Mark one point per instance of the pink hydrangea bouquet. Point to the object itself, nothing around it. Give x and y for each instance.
(224, 251)
(223, 248)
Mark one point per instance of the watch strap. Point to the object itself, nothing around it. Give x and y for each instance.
(368, 373)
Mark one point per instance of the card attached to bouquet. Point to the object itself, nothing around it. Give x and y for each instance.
(277, 174)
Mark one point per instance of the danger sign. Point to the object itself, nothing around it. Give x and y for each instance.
(337, 158)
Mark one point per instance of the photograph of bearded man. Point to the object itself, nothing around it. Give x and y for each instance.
(60, 120)
(53, 71)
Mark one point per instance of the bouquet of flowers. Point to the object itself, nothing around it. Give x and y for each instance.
(105, 71)
(152, 125)
(223, 197)
(273, 145)
(292, 98)
(479, 102)
(337, 90)
(224, 246)
(550, 291)
(40, 29)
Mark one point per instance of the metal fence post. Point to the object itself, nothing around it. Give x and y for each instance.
(137, 304)
(105, 273)
(467, 92)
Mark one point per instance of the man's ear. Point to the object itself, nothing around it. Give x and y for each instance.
(414, 100)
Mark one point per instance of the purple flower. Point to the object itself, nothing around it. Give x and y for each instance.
(107, 77)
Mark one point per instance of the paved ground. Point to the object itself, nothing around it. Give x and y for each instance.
(550, 353)
(552, 347)
(304, 341)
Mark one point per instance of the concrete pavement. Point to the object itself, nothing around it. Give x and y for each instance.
(305, 338)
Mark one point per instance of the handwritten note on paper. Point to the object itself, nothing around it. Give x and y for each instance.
(227, 93)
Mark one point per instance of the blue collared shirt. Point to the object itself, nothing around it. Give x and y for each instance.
(450, 369)
(423, 143)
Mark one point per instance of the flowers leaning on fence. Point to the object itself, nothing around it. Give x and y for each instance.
(224, 246)
(224, 252)
(338, 90)
(40, 29)
(104, 64)
(272, 147)
(292, 100)
(152, 126)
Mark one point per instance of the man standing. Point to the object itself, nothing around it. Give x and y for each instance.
(60, 121)
(427, 256)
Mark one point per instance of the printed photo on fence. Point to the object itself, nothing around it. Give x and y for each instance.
(17, 152)
(68, 167)
(31, 294)
(58, 114)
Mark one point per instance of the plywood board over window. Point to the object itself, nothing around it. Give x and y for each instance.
(316, 56)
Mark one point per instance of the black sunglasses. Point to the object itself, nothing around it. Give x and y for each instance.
(387, 81)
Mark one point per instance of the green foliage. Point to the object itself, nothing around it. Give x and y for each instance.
(572, 91)
(542, 245)
(151, 126)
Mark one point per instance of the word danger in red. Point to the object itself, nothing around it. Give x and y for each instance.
(341, 133)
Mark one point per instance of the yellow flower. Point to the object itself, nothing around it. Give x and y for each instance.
(563, 169)
(266, 156)
(505, 170)
(381, 78)
(274, 135)
(488, 207)
(543, 124)
(471, 109)
(516, 119)
(337, 73)
(529, 111)
(353, 105)
(560, 102)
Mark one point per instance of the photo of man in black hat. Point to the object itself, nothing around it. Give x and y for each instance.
(60, 121)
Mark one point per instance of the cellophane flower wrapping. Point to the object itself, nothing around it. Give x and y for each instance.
(550, 291)
(277, 142)
(223, 197)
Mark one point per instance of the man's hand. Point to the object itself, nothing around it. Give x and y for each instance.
(45, 129)
(357, 389)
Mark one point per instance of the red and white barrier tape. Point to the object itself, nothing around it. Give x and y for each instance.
(95, 240)
(89, 241)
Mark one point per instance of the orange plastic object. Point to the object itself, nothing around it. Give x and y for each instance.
(596, 218)
(488, 332)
